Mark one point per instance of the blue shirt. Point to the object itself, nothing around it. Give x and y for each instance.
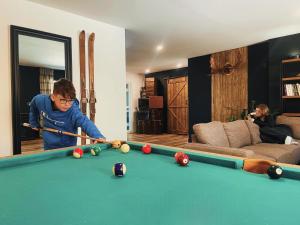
(41, 107)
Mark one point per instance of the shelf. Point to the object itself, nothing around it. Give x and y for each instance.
(291, 114)
(291, 78)
(290, 96)
(290, 60)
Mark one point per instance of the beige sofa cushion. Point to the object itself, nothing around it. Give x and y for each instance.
(254, 132)
(211, 133)
(237, 133)
(240, 152)
(280, 152)
(293, 122)
(220, 149)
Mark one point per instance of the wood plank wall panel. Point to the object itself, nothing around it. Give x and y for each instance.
(229, 91)
(150, 85)
(178, 105)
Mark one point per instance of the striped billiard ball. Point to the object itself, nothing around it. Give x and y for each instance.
(119, 169)
(183, 160)
(95, 151)
(78, 153)
(177, 155)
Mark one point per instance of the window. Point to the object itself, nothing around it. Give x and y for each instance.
(128, 119)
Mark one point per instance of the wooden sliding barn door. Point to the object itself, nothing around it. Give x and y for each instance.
(178, 105)
(229, 71)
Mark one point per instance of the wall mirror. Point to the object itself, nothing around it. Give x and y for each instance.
(37, 59)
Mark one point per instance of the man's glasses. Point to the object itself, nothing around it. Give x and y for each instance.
(65, 101)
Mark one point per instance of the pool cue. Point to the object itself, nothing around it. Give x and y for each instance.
(67, 133)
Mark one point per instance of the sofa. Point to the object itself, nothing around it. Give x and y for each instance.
(242, 138)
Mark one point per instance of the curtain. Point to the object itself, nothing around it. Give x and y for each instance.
(46, 80)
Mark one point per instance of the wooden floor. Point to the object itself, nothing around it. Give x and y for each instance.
(32, 146)
(172, 140)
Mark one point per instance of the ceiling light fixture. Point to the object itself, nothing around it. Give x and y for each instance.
(179, 65)
(147, 71)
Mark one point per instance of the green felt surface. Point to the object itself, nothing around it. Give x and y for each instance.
(155, 191)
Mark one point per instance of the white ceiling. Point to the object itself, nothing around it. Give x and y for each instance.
(187, 28)
(40, 52)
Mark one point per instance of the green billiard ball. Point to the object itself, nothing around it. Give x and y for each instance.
(95, 151)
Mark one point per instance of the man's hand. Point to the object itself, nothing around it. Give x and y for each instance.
(34, 128)
(99, 140)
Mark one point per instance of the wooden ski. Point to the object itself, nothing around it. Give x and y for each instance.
(83, 99)
(92, 98)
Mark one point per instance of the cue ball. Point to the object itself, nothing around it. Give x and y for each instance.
(78, 153)
(125, 148)
(119, 169)
(146, 149)
(183, 160)
(274, 172)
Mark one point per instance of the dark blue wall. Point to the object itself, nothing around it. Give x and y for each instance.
(282, 48)
(258, 81)
(169, 73)
(199, 90)
(30, 84)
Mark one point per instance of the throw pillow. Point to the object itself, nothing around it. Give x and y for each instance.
(254, 132)
(211, 133)
(292, 122)
(237, 133)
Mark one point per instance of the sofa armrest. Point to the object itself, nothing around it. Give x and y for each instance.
(220, 150)
(194, 138)
(292, 122)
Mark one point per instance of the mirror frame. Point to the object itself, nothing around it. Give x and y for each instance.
(15, 31)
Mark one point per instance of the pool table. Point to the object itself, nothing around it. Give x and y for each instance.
(54, 188)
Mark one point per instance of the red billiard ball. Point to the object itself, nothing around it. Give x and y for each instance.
(177, 155)
(78, 153)
(183, 160)
(146, 149)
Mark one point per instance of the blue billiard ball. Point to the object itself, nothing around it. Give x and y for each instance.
(119, 169)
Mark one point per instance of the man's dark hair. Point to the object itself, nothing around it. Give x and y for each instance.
(64, 88)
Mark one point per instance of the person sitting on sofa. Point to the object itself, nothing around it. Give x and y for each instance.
(270, 132)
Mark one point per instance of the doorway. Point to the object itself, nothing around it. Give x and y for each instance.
(177, 105)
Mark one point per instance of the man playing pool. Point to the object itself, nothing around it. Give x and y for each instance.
(60, 111)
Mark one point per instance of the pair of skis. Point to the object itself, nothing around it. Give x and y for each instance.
(83, 99)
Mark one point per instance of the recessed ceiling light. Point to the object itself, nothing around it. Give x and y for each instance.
(147, 71)
(159, 48)
(179, 65)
